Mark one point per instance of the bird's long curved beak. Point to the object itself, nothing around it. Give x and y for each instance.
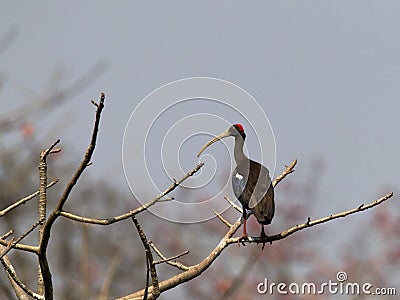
(212, 141)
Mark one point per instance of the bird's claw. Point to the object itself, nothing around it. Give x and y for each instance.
(242, 239)
(265, 239)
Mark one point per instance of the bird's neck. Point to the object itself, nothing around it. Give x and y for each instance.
(238, 151)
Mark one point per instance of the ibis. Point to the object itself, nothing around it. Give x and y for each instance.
(251, 182)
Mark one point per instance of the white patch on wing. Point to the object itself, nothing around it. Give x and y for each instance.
(238, 176)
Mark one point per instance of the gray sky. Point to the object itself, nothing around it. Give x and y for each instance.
(327, 73)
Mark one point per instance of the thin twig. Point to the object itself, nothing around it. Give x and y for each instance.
(238, 208)
(24, 200)
(289, 169)
(223, 220)
(7, 234)
(166, 199)
(13, 243)
(171, 263)
(171, 258)
(127, 215)
(50, 150)
(23, 247)
(149, 258)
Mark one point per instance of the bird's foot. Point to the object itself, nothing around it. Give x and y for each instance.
(243, 238)
(264, 238)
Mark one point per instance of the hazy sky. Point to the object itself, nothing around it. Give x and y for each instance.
(327, 74)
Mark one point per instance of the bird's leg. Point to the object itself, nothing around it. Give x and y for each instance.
(263, 237)
(244, 219)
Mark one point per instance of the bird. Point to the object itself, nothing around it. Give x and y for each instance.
(251, 183)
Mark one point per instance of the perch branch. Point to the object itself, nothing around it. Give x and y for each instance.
(310, 223)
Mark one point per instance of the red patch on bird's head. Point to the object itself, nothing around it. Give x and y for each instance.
(239, 127)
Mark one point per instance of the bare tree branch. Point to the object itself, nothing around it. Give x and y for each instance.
(223, 220)
(238, 208)
(16, 282)
(22, 247)
(149, 259)
(42, 204)
(310, 223)
(13, 243)
(24, 200)
(43, 243)
(171, 263)
(289, 169)
(165, 260)
(7, 234)
(192, 272)
(134, 212)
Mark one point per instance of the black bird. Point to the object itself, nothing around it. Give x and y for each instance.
(250, 181)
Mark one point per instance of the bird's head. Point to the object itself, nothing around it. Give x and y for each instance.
(235, 130)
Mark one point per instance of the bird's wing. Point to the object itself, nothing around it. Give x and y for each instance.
(238, 183)
(260, 183)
